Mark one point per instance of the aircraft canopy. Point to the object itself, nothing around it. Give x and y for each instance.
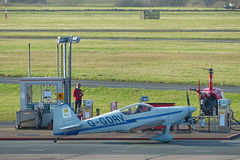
(136, 108)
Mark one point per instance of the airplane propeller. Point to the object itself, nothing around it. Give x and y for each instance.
(190, 113)
(188, 99)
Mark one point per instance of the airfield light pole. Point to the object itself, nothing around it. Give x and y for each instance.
(29, 61)
(65, 74)
(74, 40)
(61, 60)
(57, 60)
(69, 72)
(67, 84)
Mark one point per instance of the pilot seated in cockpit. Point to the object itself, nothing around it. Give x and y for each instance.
(139, 109)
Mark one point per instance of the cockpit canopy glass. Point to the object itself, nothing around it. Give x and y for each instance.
(136, 108)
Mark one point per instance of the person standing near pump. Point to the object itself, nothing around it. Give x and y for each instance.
(77, 94)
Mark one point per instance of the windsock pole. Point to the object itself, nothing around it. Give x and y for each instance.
(5, 9)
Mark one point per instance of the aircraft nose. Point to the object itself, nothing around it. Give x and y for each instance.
(192, 109)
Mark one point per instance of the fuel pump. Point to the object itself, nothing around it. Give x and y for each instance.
(87, 109)
(223, 115)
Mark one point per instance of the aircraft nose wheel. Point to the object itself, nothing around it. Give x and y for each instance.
(56, 139)
(166, 141)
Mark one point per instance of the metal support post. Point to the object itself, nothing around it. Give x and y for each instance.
(61, 60)
(57, 60)
(98, 111)
(29, 61)
(214, 119)
(65, 75)
(209, 124)
(69, 73)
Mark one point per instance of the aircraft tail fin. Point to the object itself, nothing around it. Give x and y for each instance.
(65, 122)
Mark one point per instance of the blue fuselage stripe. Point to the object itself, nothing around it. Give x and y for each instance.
(117, 124)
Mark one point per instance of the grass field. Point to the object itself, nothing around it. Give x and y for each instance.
(102, 97)
(120, 20)
(156, 61)
(126, 34)
(68, 3)
(141, 61)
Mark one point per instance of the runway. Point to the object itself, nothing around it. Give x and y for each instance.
(114, 84)
(177, 149)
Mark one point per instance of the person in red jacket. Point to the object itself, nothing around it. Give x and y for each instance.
(77, 94)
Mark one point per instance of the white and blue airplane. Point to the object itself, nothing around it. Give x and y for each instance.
(138, 115)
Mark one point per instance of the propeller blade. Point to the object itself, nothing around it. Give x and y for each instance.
(190, 111)
(188, 99)
(192, 120)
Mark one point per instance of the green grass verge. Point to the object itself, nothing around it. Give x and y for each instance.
(117, 60)
(136, 61)
(117, 35)
(120, 20)
(102, 97)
